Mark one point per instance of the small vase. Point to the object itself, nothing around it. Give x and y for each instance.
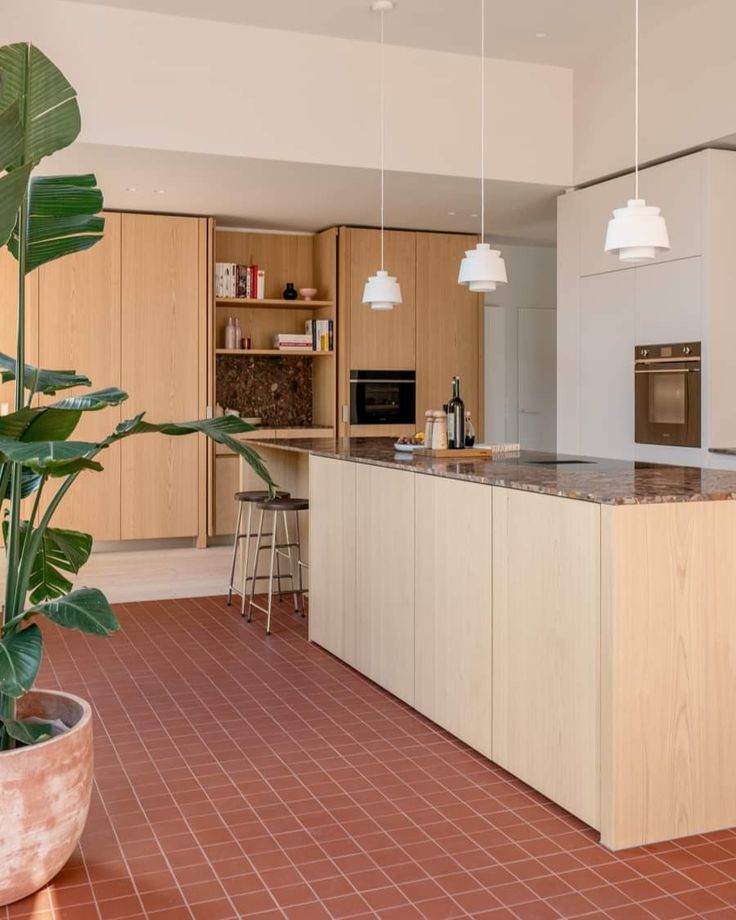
(290, 291)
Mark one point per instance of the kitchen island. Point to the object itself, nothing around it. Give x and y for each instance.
(573, 619)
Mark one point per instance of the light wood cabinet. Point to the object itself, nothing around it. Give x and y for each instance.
(546, 646)
(449, 327)
(381, 340)
(385, 578)
(160, 361)
(332, 602)
(453, 648)
(79, 328)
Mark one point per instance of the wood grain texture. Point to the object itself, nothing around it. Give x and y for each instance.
(669, 671)
(283, 256)
(546, 646)
(449, 326)
(161, 272)
(382, 340)
(332, 601)
(385, 579)
(453, 648)
(324, 373)
(79, 328)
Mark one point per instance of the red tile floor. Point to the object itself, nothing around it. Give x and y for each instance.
(246, 777)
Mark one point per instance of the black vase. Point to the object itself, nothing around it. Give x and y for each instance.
(289, 292)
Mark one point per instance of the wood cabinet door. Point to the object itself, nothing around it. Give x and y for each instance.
(453, 607)
(546, 646)
(449, 333)
(382, 340)
(162, 262)
(79, 328)
(332, 506)
(385, 578)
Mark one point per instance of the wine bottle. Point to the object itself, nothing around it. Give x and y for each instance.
(469, 431)
(456, 418)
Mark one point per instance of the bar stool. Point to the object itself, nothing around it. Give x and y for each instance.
(245, 498)
(279, 506)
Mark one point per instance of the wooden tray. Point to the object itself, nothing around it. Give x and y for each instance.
(464, 454)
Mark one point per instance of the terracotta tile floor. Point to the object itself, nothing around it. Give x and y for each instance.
(245, 777)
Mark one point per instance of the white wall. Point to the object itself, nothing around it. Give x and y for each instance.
(171, 83)
(532, 275)
(688, 69)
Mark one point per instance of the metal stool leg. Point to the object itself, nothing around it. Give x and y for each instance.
(270, 573)
(292, 576)
(244, 585)
(299, 564)
(236, 541)
(255, 566)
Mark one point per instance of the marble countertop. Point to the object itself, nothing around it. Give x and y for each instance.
(593, 479)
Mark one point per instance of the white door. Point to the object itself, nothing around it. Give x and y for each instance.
(495, 376)
(537, 379)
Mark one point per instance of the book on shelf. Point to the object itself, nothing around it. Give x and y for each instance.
(322, 334)
(243, 281)
(292, 341)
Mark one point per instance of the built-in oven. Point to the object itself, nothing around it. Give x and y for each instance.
(667, 384)
(382, 397)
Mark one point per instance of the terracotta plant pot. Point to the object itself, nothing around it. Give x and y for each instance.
(44, 795)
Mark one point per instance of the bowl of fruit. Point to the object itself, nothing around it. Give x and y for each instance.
(406, 445)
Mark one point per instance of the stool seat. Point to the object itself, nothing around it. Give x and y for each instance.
(284, 504)
(257, 496)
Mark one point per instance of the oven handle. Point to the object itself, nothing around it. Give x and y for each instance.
(391, 380)
(668, 370)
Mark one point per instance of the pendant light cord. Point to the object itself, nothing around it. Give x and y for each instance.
(483, 120)
(636, 99)
(383, 133)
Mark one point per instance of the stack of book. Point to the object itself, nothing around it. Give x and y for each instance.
(232, 280)
(292, 341)
(321, 333)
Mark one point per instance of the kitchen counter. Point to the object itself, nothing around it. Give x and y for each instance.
(592, 479)
(729, 451)
(572, 622)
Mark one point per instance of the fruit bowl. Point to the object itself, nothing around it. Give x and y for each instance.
(307, 293)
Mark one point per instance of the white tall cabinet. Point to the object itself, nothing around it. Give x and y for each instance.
(604, 308)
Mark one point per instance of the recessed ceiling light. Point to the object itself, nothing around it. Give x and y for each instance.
(540, 34)
(474, 214)
(160, 191)
(452, 213)
(130, 188)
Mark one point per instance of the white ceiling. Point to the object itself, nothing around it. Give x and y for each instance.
(273, 194)
(575, 29)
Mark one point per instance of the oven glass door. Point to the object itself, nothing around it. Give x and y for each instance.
(668, 405)
(382, 402)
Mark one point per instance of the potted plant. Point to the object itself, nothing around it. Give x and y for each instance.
(45, 737)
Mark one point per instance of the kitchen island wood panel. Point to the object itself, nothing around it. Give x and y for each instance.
(453, 648)
(668, 655)
(546, 667)
(385, 579)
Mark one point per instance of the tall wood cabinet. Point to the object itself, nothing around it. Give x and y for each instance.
(437, 330)
(130, 312)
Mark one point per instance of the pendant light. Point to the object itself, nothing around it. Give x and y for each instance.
(382, 290)
(638, 232)
(482, 268)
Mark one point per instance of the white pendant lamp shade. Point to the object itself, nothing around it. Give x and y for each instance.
(482, 269)
(637, 233)
(382, 291)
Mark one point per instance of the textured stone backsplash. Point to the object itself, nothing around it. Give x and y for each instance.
(279, 390)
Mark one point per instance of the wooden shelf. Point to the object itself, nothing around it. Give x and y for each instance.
(273, 351)
(273, 304)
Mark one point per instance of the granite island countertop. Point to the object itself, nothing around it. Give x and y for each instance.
(593, 479)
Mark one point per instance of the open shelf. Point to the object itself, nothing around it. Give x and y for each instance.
(273, 351)
(273, 304)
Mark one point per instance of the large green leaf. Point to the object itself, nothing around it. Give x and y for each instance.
(57, 421)
(40, 380)
(20, 659)
(86, 609)
(47, 102)
(12, 189)
(91, 402)
(59, 551)
(62, 218)
(219, 429)
(29, 732)
(52, 458)
(30, 482)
